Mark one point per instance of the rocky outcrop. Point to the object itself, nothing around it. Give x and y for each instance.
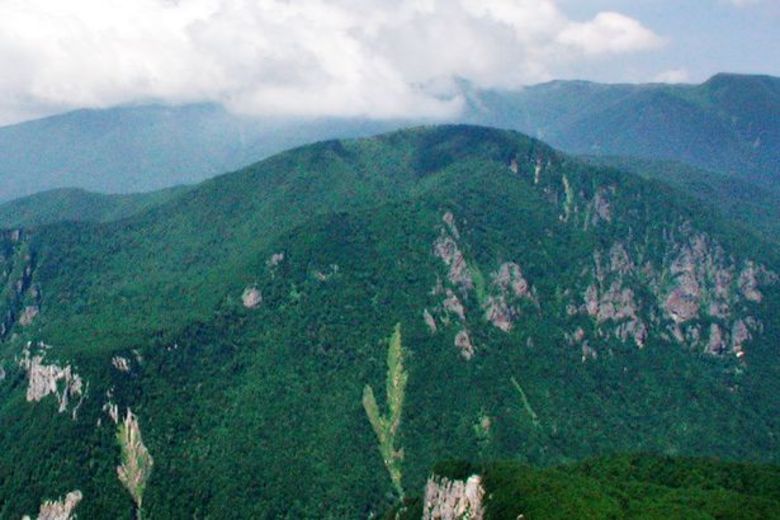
(430, 321)
(602, 207)
(28, 315)
(251, 298)
(451, 303)
(507, 288)
(51, 379)
(696, 295)
(447, 499)
(611, 302)
(464, 345)
(121, 363)
(59, 509)
(500, 300)
(446, 248)
(324, 276)
(274, 260)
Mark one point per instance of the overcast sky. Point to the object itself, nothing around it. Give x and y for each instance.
(377, 58)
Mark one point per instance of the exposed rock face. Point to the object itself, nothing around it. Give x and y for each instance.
(324, 276)
(610, 302)
(716, 343)
(510, 277)
(464, 345)
(110, 407)
(429, 321)
(697, 296)
(447, 249)
(454, 499)
(537, 171)
(507, 288)
(44, 380)
(449, 219)
(59, 509)
(602, 208)
(275, 260)
(251, 297)
(28, 315)
(121, 363)
(499, 300)
(452, 304)
(740, 333)
(499, 313)
(750, 278)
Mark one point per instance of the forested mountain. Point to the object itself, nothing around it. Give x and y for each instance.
(144, 148)
(306, 337)
(79, 205)
(729, 124)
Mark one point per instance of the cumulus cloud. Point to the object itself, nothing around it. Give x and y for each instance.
(307, 57)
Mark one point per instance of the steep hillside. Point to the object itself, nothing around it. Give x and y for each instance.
(755, 208)
(79, 205)
(306, 337)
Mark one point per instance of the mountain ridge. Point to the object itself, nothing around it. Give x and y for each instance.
(242, 320)
(143, 148)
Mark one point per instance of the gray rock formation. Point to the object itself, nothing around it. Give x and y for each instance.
(454, 499)
(59, 509)
(44, 379)
(251, 297)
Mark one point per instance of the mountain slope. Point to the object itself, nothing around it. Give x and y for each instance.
(135, 149)
(549, 311)
(730, 123)
(755, 208)
(79, 205)
(727, 124)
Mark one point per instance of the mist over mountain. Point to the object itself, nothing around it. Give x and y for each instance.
(138, 149)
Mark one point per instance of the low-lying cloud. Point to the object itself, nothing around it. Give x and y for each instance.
(374, 58)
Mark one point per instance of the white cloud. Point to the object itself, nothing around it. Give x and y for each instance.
(306, 57)
(609, 33)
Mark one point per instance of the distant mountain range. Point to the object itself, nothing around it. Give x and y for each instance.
(729, 124)
(308, 336)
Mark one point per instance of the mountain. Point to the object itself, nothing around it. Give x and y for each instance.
(306, 337)
(145, 148)
(79, 205)
(729, 124)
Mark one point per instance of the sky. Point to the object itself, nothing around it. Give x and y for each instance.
(359, 58)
